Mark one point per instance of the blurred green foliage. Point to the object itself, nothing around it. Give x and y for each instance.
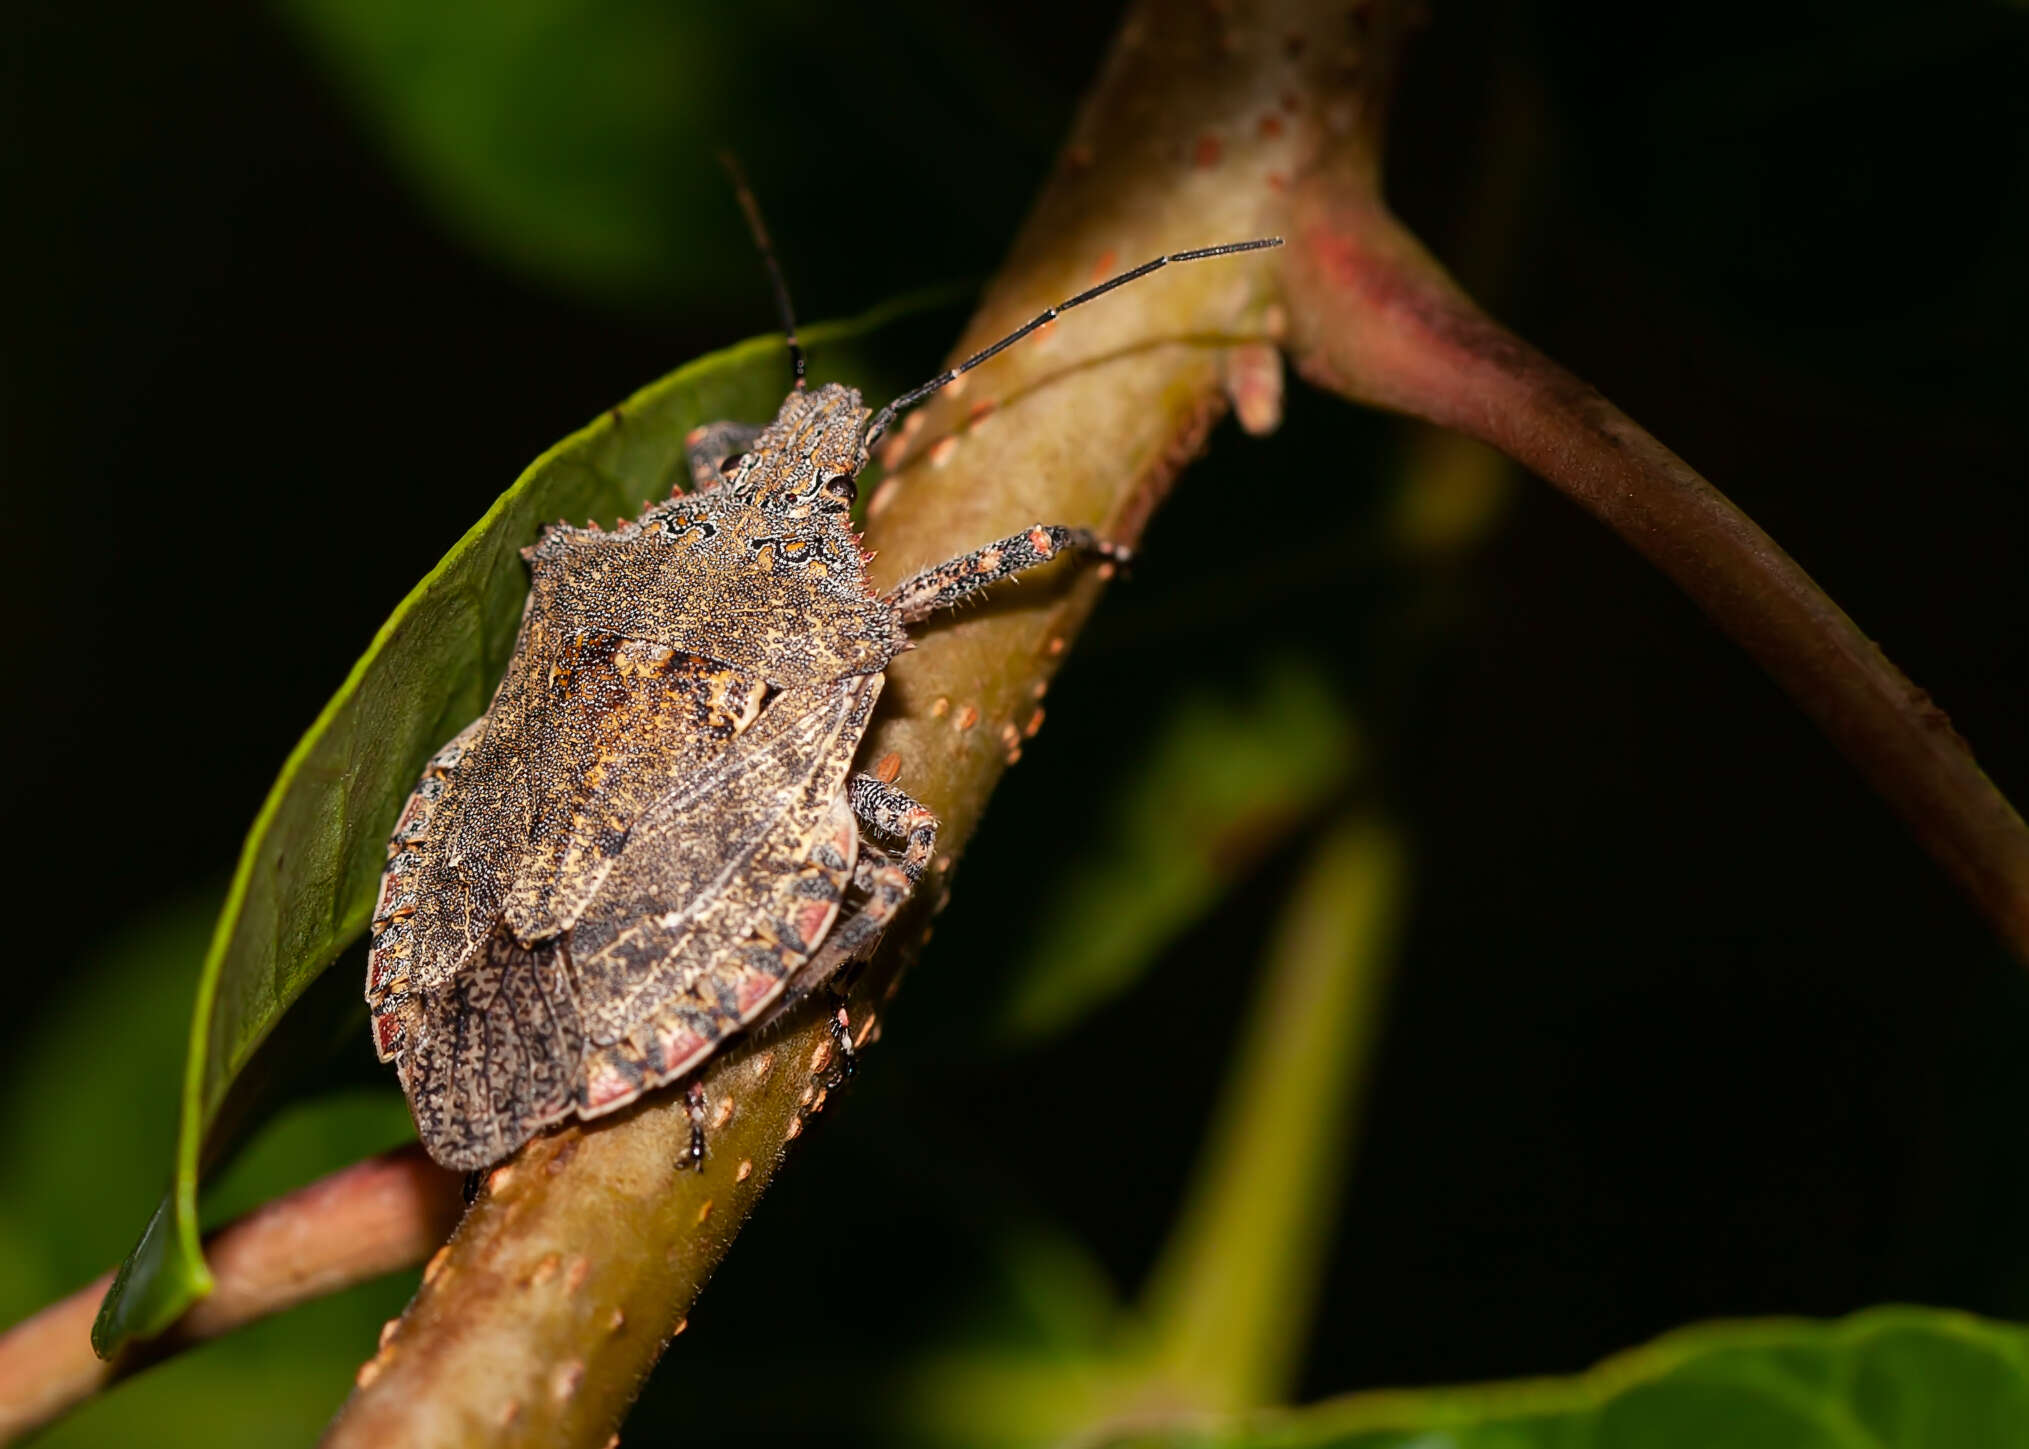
(1222, 1322)
(118, 1042)
(1085, 1369)
(574, 140)
(1226, 782)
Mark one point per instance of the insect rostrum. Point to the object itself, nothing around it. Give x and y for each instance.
(654, 837)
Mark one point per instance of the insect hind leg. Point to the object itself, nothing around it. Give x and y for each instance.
(884, 885)
(694, 1107)
(945, 584)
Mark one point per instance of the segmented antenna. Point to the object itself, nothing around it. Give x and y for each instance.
(909, 399)
(754, 223)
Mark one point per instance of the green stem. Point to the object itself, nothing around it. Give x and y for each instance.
(1230, 1303)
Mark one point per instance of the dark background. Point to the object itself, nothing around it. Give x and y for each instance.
(1685, 1025)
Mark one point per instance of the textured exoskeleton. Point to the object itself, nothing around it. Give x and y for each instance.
(654, 835)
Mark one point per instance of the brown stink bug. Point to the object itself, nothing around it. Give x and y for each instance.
(654, 836)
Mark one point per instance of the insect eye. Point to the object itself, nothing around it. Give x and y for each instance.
(731, 465)
(840, 488)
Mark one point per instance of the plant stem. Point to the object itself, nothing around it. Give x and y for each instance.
(1229, 1302)
(1206, 125)
(375, 1217)
(1377, 320)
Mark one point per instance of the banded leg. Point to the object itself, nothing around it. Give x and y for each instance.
(945, 584)
(899, 816)
(715, 450)
(694, 1107)
(885, 885)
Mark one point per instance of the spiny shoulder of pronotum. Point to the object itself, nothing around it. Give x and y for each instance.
(805, 460)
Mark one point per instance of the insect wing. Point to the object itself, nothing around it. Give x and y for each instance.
(726, 888)
(692, 932)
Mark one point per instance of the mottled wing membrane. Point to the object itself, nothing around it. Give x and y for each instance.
(629, 720)
(705, 904)
(761, 847)
(496, 1053)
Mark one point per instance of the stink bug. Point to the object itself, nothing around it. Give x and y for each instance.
(654, 836)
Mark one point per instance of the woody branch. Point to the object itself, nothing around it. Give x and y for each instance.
(374, 1217)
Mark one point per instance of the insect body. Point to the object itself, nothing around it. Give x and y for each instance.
(654, 836)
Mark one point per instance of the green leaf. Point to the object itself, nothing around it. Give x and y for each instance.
(1226, 781)
(1888, 1378)
(309, 872)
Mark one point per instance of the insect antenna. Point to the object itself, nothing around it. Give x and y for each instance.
(767, 248)
(910, 398)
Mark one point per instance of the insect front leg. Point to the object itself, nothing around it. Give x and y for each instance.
(715, 449)
(945, 584)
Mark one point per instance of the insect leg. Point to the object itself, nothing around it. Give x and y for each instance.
(945, 584)
(714, 448)
(840, 1027)
(885, 884)
(694, 1108)
(897, 815)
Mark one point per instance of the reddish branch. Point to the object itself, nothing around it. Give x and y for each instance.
(383, 1214)
(1375, 319)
